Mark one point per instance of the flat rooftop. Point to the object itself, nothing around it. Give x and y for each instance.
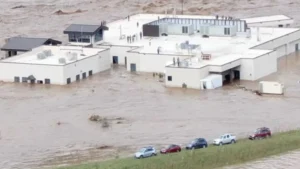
(221, 49)
(69, 54)
(267, 19)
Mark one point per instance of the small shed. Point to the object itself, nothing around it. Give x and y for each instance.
(87, 34)
(211, 82)
(23, 44)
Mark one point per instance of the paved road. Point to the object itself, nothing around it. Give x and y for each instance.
(285, 161)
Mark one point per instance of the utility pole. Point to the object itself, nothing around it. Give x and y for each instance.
(182, 1)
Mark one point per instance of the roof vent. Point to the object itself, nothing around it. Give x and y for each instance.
(73, 56)
(62, 61)
(48, 53)
(41, 56)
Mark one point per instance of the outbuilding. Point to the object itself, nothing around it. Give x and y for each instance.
(16, 45)
(85, 35)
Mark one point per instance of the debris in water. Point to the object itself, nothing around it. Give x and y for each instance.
(104, 147)
(20, 6)
(60, 12)
(96, 118)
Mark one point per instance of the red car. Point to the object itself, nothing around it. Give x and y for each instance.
(171, 149)
(260, 133)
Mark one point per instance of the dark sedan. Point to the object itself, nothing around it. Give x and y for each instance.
(197, 143)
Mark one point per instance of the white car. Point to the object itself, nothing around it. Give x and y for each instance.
(145, 152)
(225, 139)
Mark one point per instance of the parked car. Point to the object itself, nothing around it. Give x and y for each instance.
(225, 139)
(171, 149)
(260, 133)
(145, 152)
(197, 143)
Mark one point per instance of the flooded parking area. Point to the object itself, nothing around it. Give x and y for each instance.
(49, 125)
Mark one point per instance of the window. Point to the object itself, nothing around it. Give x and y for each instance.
(90, 73)
(47, 81)
(24, 79)
(83, 75)
(184, 29)
(226, 31)
(169, 78)
(17, 79)
(78, 37)
(77, 77)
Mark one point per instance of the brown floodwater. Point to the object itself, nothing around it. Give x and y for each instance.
(48, 125)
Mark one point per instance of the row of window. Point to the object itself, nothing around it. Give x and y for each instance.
(69, 80)
(79, 38)
(48, 81)
(27, 80)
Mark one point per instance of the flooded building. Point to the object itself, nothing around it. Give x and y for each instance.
(189, 48)
(58, 65)
(85, 35)
(17, 45)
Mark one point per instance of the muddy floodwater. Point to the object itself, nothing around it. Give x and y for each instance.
(48, 125)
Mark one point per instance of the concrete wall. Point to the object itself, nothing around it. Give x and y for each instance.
(247, 69)
(219, 30)
(96, 63)
(121, 52)
(40, 72)
(264, 65)
(286, 43)
(151, 62)
(190, 76)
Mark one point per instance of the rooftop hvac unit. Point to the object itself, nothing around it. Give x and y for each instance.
(62, 61)
(184, 64)
(47, 52)
(73, 56)
(41, 56)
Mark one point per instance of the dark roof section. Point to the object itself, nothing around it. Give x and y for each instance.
(26, 44)
(80, 28)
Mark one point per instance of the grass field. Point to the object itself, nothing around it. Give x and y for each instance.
(211, 157)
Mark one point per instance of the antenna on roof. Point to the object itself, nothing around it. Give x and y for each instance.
(258, 38)
(174, 11)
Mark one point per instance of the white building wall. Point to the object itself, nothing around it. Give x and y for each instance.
(97, 63)
(283, 45)
(121, 52)
(151, 62)
(133, 58)
(190, 76)
(247, 69)
(40, 72)
(264, 65)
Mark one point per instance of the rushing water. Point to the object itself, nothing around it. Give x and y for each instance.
(46, 125)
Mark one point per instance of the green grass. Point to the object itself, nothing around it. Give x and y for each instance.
(211, 157)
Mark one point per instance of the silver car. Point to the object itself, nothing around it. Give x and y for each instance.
(145, 152)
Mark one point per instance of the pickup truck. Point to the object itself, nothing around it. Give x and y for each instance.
(225, 139)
